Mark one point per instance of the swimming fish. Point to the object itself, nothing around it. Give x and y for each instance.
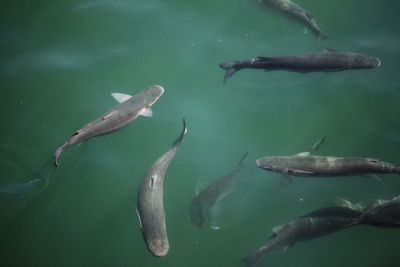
(129, 109)
(385, 215)
(20, 188)
(150, 206)
(292, 10)
(315, 224)
(321, 166)
(202, 207)
(312, 62)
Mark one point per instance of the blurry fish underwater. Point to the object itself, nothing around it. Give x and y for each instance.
(310, 226)
(130, 108)
(205, 206)
(292, 10)
(304, 63)
(150, 203)
(386, 214)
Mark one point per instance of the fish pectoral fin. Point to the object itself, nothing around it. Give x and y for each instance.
(297, 172)
(286, 180)
(146, 112)
(285, 248)
(372, 176)
(109, 114)
(121, 97)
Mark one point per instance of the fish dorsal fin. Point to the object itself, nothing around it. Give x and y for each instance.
(121, 97)
(146, 112)
(303, 154)
(327, 49)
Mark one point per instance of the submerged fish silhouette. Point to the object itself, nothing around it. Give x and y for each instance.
(202, 207)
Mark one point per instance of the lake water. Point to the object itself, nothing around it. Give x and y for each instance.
(60, 60)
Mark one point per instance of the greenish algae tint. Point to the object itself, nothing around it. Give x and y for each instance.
(61, 60)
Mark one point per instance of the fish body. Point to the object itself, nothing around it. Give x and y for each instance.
(312, 62)
(313, 225)
(294, 11)
(205, 200)
(115, 118)
(320, 166)
(385, 215)
(150, 206)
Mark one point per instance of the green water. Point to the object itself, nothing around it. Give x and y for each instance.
(60, 60)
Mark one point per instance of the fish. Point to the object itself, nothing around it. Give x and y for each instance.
(304, 63)
(386, 214)
(325, 166)
(150, 205)
(310, 226)
(292, 10)
(203, 205)
(129, 109)
(20, 188)
(360, 206)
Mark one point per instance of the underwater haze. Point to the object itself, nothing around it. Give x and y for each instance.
(61, 60)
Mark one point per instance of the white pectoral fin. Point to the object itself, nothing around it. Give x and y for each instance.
(121, 97)
(146, 112)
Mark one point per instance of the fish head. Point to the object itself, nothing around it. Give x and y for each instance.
(158, 246)
(150, 95)
(196, 214)
(269, 164)
(366, 62)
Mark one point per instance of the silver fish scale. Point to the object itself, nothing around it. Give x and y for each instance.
(334, 165)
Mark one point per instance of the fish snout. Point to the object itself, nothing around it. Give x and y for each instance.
(259, 163)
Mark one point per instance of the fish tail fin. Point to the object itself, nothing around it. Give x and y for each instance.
(242, 160)
(230, 67)
(58, 152)
(182, 134)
